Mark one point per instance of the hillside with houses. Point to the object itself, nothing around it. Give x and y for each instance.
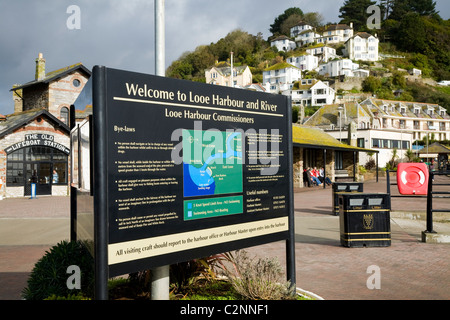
(393, 79)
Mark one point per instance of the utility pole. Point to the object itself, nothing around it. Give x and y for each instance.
(160, 275)
(160, 50)
(232, 73)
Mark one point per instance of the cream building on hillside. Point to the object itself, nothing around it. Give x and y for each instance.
(221, 75)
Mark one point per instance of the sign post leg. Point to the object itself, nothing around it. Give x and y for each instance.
(160, 275)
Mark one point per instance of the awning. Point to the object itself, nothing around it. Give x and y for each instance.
(314, 138)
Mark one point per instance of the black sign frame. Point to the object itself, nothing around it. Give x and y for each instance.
(111, 92)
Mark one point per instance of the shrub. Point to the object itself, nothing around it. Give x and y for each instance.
(49, 275)
(258, 279)
(370, 164)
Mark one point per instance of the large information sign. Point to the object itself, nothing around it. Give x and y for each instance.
(185, 170)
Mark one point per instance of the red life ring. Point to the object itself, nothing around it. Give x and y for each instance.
(412, 178)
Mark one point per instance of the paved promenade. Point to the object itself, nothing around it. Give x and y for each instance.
(409, 269)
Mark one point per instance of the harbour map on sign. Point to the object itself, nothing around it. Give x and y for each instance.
(212, 162)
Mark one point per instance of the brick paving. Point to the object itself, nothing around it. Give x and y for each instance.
(409, 269)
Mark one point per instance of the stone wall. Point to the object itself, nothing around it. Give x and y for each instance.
(298, 167)
(63, 92)
(35, 97)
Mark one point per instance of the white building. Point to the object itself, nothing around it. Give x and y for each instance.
(362, 46)
(342, 67)
(304, 62)
(299, 28)
(336, 33)
(383, 141)
(311, 92)
(418, 118)
(383, 125)
(280, 77)
(306, 37)
(283, 43)
(324, 53)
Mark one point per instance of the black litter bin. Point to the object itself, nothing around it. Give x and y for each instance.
(340, 187)
(364, 219)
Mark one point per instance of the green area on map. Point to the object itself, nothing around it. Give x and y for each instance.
(212, 207)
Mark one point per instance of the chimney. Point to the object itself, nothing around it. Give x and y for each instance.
(18, 99)
(40, 67)
(351, 25)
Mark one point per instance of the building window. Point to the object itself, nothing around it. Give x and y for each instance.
(395, 144)
(76, 83)
(36, 163)
(64, 115)
(360, 143)
(376, 143)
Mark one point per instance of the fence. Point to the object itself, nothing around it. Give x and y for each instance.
(430, 195)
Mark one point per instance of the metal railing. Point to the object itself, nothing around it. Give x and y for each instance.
(435, 194)
(429, 196)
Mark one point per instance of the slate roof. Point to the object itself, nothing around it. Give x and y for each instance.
(53, 75)
(377, 105)
(337, 27)
(282, 37)
(279, 66)
(17, 120)
(329, 114)
(225, 69)
(364, 35)
(311, 137)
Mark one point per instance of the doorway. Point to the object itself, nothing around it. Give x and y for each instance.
(41, 174)
(44, 166)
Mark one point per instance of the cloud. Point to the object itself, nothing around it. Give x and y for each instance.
(120, 34)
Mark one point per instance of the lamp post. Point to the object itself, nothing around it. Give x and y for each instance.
(340, 108)
(429, 128)
(160, 275)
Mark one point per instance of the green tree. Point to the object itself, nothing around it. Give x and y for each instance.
(314, 19)
(287, 24)
(399, 8)
(371, 84)
(413, 36)
(275, 28)
(355, 11)
(423, 7)
(180, 69)
(398, 80)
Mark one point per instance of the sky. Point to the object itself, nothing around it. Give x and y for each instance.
(121, 34)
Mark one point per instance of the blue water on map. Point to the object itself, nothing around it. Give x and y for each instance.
(199, 181)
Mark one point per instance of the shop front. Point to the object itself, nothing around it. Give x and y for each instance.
(34, 156)
(44, 166)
